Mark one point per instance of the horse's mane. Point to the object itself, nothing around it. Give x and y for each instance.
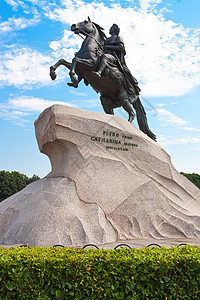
(101, 33)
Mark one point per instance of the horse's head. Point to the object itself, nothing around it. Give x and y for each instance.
(85, 27)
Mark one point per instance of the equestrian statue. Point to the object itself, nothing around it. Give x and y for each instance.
(100, 62)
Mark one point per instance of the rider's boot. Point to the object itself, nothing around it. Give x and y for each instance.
(102, 66)
(97, 74)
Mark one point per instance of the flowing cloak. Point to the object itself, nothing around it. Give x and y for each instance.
(115, 44)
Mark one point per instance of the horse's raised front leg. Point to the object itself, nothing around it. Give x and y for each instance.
(56, 65)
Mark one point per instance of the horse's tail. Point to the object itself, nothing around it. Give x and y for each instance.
(142, 119)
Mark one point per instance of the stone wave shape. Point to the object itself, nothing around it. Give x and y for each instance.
(109, 182)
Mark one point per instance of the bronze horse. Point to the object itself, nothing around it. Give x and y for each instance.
(111, 85)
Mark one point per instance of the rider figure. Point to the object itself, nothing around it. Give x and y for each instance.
(115, 55)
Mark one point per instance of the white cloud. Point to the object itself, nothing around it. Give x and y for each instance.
(26, 5)
(87, 103)
(146, 5)
(32, 104)
(17, 109)
(13, 24)
(67, 46)
(169, 118)
(78, 94)
(171, 140)
(12, 3)
(24, 66)
(16, 116)
(12, 115)
(162, 55)
(188, 128)
(161, 104)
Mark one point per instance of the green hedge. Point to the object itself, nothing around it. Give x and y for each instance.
(63, 273)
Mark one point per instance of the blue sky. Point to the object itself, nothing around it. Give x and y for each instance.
(163, 52)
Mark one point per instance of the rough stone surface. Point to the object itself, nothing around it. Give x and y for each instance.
(109, 182)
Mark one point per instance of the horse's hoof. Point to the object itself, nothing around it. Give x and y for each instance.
(74, 79)
(52, 73)
(131, 118)
(72, 84)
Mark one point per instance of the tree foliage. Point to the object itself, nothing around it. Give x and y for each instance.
(194, 178)
(13, 182)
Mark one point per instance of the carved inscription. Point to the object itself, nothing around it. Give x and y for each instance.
(115, 141)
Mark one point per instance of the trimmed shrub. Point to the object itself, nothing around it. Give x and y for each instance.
(63, 273)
